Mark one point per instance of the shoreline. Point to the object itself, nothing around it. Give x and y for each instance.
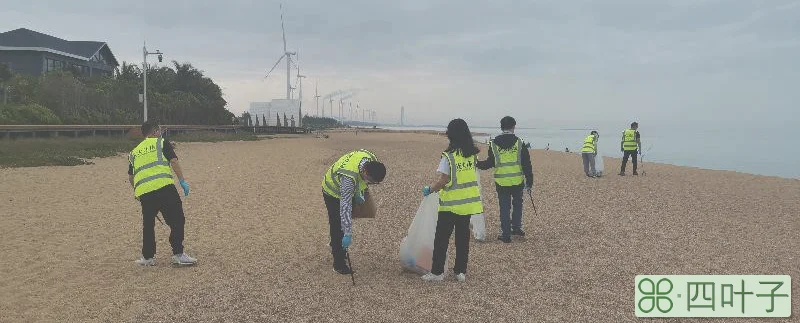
(616, 159)
(383, 130)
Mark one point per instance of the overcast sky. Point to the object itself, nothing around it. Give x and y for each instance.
(548, 63)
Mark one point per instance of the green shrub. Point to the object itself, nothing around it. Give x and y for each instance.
(27, 114)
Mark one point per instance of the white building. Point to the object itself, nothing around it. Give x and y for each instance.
(273, 109)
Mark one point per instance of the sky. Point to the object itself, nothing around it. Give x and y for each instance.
(678, 64)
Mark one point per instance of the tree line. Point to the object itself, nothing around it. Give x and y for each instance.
(177, 94)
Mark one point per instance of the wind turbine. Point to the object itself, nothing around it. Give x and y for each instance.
(341, 107)
(288, 55)
(300, 92)
(316, 97)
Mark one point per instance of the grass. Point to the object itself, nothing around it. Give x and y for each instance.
(63, 151)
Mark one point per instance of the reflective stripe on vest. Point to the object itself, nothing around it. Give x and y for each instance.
(508, 164)
(588, 145)
(151, 171)
(461, 195)
(346, 165)
(629, 140)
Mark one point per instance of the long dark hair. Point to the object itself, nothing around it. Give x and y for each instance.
(461, 138)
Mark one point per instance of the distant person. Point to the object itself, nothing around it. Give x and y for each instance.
(511, 161)
(459, 199)
(589, 153)
(346, 182)
(631, 145)
(548, 146)
(150, 169)
(566, 149)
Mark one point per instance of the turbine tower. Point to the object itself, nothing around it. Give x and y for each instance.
(300, 94)
(288, 55)
(341, 104)
(316, 97)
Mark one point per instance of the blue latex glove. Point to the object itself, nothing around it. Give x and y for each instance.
(346, 241)
(426, 190)
(185, 186)
(359, 199)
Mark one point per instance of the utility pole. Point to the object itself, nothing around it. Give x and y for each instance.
(144, 72)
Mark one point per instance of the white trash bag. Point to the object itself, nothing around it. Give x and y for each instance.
(416, 248)
(477, 222)
(599, 168)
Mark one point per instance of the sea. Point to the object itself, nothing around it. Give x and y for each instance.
(769, 152)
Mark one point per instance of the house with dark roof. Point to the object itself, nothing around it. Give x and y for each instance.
(29, 52)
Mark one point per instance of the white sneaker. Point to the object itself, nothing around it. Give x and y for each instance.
(430, 277)
(146, 262)
(461, 277)
(183, 260)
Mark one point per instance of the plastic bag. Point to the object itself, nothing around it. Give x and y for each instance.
(367, 209)
(416, 248)
(477, 222)
(599, 168)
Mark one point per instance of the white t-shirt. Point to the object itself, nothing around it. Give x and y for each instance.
(444, 166)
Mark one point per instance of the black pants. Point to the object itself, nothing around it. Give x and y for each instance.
(632, 154)
(444, 228)
(167, 201)
(335, 224)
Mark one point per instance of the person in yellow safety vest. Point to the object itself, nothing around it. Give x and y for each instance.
(150, 173)
(344, 183)
(511, 160)
(630, 145)
(589, 153)
(459, 199)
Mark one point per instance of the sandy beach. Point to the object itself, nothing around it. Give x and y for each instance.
(257, 224)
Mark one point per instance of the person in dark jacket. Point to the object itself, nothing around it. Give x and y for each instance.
(511, 160)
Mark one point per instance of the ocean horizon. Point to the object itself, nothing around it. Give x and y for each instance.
(761, 152)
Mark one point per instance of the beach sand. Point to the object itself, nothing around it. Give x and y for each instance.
(257, 224)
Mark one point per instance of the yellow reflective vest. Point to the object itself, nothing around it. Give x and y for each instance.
(508, 164)
(589, 145)
(629, 140)
(461, 195)
(151, 171)
(347, 165)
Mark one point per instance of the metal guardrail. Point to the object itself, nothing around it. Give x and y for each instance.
(112, 127)
(6, 131)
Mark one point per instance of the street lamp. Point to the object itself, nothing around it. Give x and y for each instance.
(144, 64)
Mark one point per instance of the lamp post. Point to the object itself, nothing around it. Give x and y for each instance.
(144, 64)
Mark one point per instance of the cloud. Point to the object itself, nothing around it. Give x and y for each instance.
(554, 63)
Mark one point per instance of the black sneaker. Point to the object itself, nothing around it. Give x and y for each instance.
(344, 270)
(621, 174)
(504, 239)
(518, 233)
(635, 173)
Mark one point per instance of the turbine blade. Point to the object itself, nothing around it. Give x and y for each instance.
(274, 66)
(283, 30)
